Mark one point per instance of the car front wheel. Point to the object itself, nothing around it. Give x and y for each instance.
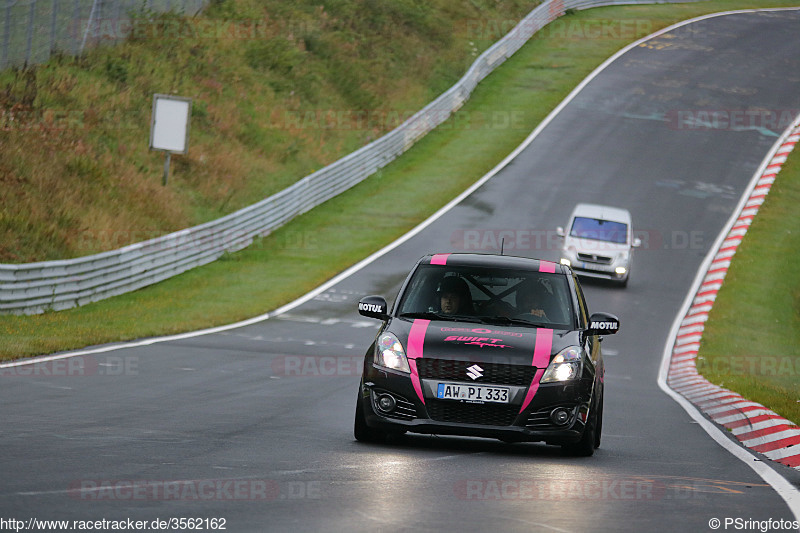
(361, 431)
(590, 438)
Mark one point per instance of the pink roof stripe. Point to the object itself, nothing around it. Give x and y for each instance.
(547, 266)
(439, 259)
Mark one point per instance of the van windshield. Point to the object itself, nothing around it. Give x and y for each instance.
(599, 230)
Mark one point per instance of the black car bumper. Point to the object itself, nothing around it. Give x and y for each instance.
(492, 420)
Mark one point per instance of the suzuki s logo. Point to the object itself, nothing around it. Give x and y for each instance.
(475, 372)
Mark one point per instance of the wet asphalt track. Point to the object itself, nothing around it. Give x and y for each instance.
(270, 406)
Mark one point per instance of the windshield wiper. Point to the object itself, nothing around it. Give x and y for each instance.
(508, 321)
(433, 315)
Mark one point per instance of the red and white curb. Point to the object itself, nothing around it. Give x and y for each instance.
(755, 426)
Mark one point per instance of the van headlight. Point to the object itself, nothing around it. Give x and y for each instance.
(389, 353)
(565, 366)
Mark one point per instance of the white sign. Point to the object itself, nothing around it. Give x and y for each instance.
(169, 129)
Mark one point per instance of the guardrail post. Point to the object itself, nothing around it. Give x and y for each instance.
(6, 36)
(75, 27)
(88, 26)
(53, 30)
(29, 40)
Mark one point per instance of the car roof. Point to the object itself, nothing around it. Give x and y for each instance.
(494, 260)
(602, 212)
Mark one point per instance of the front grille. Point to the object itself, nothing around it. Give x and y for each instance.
(496, 374)
(404, 410)
(470, 413)
(541, 419)
(594, 258)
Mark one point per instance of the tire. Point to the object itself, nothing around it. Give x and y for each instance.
(598, 432)
(584, 447)
(361, 431)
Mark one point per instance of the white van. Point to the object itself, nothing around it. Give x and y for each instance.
(599, 242)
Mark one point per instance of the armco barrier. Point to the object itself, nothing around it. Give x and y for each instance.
(54, 285)
(31, 30)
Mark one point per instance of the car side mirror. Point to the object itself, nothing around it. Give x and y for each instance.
(637, 242)
(603, 324)
(560, 231)
(373, 307)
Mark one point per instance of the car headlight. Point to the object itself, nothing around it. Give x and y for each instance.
(389, 353)
(564, 366)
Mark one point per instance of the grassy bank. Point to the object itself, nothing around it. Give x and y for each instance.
(321, 243)
(751, 342)
(279, 90)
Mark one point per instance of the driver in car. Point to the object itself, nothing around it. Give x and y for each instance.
(532, 298)
(454, 296)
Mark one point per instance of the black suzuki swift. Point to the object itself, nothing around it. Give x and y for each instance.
(487, 346)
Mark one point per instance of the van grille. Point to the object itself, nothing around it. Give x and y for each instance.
(594, 258)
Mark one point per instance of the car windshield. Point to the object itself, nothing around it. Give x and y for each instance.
(599, 230)
(497, 296)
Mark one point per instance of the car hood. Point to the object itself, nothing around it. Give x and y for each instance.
(468, 341)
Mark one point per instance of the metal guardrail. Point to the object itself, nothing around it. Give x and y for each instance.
(54, 285)
(31, 30)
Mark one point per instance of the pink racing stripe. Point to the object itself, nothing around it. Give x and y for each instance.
(412, 364)
(547, 266)
(543, 347)
(541, 358)
(532, 389)
(416, 338)
(439, 259)
(414, 348)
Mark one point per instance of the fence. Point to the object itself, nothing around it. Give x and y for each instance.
(36, 287)
(30, 30)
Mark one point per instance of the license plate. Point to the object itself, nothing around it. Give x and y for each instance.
(474, 393)
(596, 267)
